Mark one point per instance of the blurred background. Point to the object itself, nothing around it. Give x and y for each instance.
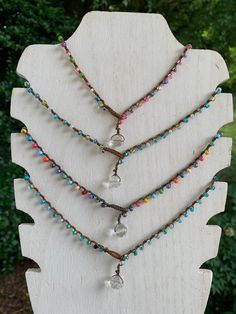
(207, 24)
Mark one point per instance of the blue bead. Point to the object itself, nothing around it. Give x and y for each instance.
(139, 147)
(95, 246)
(131, 208)
(29, 90)
(149, 242)
(198, 201)
(42, 202)
(135, 253)
(29, 138)
(179, 220)
(185, 120)
(205, 194)
(164, 231)
(121, 161)
(58, 170)
(64, 122)
(199, 110)
(40, 152)
(90, 196)
(26, 177)
(97, 98)
(218, 90)
(126, 154)
(191, 209)
(37, 95)
(218, 135)
(55, 117)
(94, 141)
(168, 186)
(151, 94)
(80, 132)
(157, 236)
(185, 214)
(30, 186)
(69, 182)
(181, 175)
(36, 194)
(154, 195)
(206, 105)
(122, 263)
(81, 238)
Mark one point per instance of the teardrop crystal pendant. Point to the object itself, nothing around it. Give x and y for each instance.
(116, 282)
(120, 230)
(113, 182)
(116, 140)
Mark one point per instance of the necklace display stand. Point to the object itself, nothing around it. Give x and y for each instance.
(123, 55)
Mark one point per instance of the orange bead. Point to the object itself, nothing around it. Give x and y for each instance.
(176, 180)
(45, 159)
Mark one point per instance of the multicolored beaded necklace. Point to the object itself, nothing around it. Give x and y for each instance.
(115, 180)
(118, 139)
(120, 229)
(116, 281)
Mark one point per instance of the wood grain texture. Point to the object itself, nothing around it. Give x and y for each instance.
(123, 55)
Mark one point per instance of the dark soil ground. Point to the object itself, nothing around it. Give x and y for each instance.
(14, 297)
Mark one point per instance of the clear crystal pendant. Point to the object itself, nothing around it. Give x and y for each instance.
(113, 182)
(116, 282)
(120, 230)
(116, 140)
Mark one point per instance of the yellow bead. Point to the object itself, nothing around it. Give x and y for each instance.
(206, 152)
(189, 169)
(24, 131)
(145, 200)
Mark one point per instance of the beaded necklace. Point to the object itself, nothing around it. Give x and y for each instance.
(115, 180)
(118, 139)
(120, 229)
(116, 281)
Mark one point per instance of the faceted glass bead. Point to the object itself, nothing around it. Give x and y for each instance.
(116, 140)
(120, 230)
(116, 282)
(112, 182)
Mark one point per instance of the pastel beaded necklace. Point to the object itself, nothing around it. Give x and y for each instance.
(115, 180)
(117, 139)
(120, 229)
(116, 281)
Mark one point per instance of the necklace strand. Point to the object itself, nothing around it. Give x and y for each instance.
(101, 102)
(115, 180)
(55, 214)
(120, 229)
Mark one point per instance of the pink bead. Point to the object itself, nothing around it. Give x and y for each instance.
(145, 98)
(189, 46)
(201, 158)
(137, 204)
(123, 117)
(34, 145)
(169, 76)
(77, 69)
(179, 62)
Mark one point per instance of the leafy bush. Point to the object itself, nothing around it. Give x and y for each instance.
(206, 24)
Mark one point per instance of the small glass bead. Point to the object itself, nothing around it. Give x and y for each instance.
(120, 230)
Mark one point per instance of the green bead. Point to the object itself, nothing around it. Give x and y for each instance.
(68, 226)
(126, 257)
(64, 176)
(161, 191)
(60, 38)
(141, 248)
(88, 242)
(74, 232)
(81, 238)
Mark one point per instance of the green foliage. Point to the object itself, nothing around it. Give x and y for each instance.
(206, 24)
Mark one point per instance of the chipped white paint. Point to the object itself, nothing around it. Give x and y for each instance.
(123, 55)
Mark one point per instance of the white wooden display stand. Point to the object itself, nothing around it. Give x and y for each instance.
(123, 55)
